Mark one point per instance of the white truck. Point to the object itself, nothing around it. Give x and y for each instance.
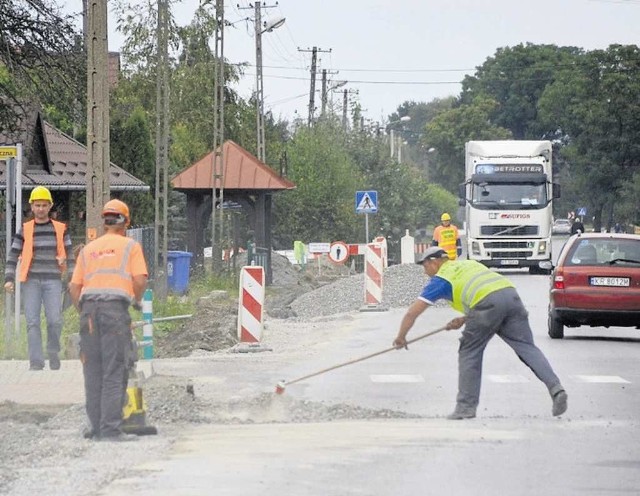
(507, 195)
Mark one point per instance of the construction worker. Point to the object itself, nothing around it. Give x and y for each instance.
(110, 275)
(43, 247)
(491, 306)
(446, 237)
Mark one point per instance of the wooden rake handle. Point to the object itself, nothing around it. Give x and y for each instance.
(366, 357)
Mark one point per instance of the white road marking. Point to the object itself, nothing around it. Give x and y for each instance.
(601, 379)
(394, 378)
(507, 379)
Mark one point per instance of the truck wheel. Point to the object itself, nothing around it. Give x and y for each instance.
(556, 327)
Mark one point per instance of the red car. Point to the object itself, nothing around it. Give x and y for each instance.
(596, 282)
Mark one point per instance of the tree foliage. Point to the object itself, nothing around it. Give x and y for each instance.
(40, 60)
(595, 108)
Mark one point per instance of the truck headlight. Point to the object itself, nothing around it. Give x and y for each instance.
(475, 248)
(542, 247)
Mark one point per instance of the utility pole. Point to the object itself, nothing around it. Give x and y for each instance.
(97, 177)
(218, 141)
(345, 105)
(162, 151)
(312, 91)
(260, 139)
(324, 92)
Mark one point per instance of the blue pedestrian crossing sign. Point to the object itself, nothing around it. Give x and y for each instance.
(366, 202)
(582, 211)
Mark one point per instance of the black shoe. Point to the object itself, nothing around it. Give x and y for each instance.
(36, 365)
(54, 361)
(559, 403)
(90, 434)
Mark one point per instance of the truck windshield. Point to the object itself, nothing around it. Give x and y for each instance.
(512, 196)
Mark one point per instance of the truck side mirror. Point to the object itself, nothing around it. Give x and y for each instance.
(556, 191)
(462, 191)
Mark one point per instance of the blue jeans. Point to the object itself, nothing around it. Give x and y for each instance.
(37, 293)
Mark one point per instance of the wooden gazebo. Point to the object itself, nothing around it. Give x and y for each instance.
(247, 182)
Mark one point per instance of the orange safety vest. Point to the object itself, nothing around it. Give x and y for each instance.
(103, 268)
(447, 238)
(26, 258)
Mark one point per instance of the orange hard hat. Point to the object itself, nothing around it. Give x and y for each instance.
(117, 208)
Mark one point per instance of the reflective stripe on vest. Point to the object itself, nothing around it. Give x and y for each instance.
(471, 282)
(112, 281)
(28, 228)
(446, 238)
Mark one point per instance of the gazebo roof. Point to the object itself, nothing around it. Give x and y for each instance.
(241, 171)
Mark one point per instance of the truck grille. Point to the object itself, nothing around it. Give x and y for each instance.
(507, 245)
(511, 254)
(511, 230)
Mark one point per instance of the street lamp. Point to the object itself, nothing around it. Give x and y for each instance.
(267, 28)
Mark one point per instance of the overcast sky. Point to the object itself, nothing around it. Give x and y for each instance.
(396, 50)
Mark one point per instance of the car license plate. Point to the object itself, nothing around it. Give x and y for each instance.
(509, 262)
(609, 281)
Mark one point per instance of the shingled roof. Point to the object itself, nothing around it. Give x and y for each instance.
(242, 171)
(59, 162)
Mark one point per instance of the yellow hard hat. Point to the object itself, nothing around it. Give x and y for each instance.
(117, 208)
(40, 193)
(445, 216)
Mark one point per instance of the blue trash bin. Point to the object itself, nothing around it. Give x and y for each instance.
(178, 263)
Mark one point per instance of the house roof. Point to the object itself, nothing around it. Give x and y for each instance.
(59, 162)
(241, 171)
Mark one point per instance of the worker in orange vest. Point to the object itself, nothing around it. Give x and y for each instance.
(446, 237)
(43, 248)
(110, 274)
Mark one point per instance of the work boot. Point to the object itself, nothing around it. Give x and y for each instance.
(559, 403)
(89, 433)
(36, 365)
(461, 414)
(54, 361)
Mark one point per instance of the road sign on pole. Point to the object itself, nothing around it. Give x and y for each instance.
(366, 202)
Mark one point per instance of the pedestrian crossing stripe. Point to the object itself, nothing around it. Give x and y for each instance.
(600, 379)
(507, 379)
(397, 378)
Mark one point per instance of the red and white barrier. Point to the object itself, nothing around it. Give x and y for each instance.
(420, 248)
(373, 270)
(251, 304)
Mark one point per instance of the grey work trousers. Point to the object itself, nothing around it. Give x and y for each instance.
(105, 344)
(501, 313)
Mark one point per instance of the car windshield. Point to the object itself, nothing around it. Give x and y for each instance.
(561, 222)
(601, 251)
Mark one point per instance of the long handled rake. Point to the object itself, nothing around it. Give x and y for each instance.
(280, 387)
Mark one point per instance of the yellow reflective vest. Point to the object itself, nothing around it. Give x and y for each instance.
(471, 282)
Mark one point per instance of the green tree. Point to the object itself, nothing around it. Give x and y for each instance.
(321, 208)
(595, 107)
(40, 60)
(448, 132)
(515, 78)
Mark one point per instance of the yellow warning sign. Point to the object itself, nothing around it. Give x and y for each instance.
(8, 152)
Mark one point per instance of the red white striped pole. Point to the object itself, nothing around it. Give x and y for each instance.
(251, 309)
(373, 276)
(251, 304)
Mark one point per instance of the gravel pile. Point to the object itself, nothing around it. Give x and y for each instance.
(401, 285)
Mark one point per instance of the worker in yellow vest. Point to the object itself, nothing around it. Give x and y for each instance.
(491, 306)
(43, 247)
(446, 237)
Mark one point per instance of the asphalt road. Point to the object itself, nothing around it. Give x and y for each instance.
(514, 447)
